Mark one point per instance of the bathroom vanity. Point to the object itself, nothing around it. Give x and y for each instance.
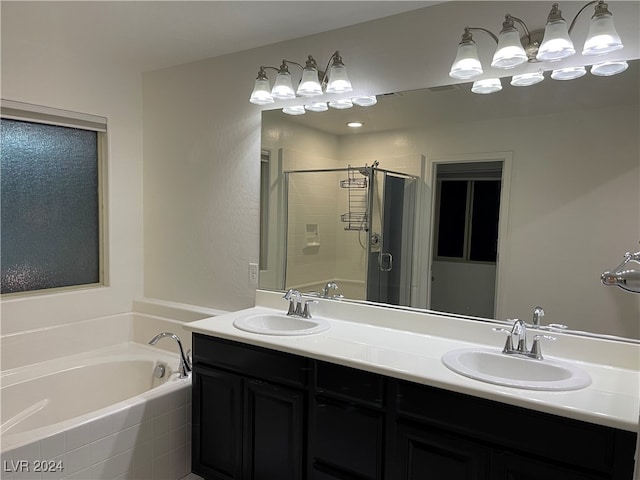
(323, 407)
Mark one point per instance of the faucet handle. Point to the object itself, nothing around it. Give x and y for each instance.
(536, 351)
(508, 345)
(307, 309)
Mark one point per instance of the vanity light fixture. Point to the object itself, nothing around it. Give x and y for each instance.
(510, 52)
(486, 86)
(317, 107)
(467, 64)
(569, 73)
(606, 69)
(527, 79)
(313, 82)
(341, 103)
(365, 101)
(556, 43)
(294, 110)
(551, 44)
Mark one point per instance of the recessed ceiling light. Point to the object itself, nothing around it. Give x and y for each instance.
(355, 124)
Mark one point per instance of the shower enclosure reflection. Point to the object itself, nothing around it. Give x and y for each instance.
(352, 226)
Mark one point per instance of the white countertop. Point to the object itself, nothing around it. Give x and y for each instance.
(414, 354)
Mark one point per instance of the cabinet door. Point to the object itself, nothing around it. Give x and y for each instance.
(348, 438)
(510, 466)
(217, 424)
(422, 452)
(273, 433)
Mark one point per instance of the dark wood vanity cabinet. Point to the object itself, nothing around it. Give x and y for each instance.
(259, 414)
(249, 412)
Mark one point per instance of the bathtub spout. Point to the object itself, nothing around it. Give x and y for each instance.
(185, 364)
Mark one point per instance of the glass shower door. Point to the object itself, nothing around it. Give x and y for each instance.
(392, 201)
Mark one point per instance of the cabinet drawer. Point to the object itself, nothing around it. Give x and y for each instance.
(569, 441)
(251, 361)
(350, 383)
(348, 437)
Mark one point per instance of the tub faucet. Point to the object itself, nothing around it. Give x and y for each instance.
(326, 291)
(185, 364)
(538, 313)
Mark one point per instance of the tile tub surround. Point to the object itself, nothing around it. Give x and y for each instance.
(409, 345)
(148, 440)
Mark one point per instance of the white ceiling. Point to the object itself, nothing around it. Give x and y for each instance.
(150, 35)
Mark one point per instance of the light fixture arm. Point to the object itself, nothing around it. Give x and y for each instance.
(601, 5)
(286, 62)
(521, 22)
(467, 33)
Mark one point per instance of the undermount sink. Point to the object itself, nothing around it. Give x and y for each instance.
(492, 366)
(280, 324)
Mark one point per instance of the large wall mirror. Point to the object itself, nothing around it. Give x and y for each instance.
(480, 205)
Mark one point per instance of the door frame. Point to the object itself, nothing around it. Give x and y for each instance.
(506, 158)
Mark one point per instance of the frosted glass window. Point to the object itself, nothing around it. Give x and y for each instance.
(50, 206)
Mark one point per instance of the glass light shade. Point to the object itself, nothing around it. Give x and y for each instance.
(510, 52)
(341, 104)
(527, 79)
(309, 84)
(568, 73)
(282, 88)
(317, 106)
(338, 80)
(294, 110)
(487, 85)
(466, 65)
(365, 101)
(602, 37)
(261, 94)
(556, 43)
(606, 69)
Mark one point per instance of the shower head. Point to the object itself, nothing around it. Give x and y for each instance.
(366, 170)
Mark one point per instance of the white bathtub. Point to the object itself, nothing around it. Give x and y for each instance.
(96, 415)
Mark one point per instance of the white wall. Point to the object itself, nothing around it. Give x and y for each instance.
(32, 73)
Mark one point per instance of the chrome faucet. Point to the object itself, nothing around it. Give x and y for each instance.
(298, 308)
(519, 332)
(327, 288)
(295, 302)
(538, 313)
(185, 363)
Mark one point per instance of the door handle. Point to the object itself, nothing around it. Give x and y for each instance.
(385, 262)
